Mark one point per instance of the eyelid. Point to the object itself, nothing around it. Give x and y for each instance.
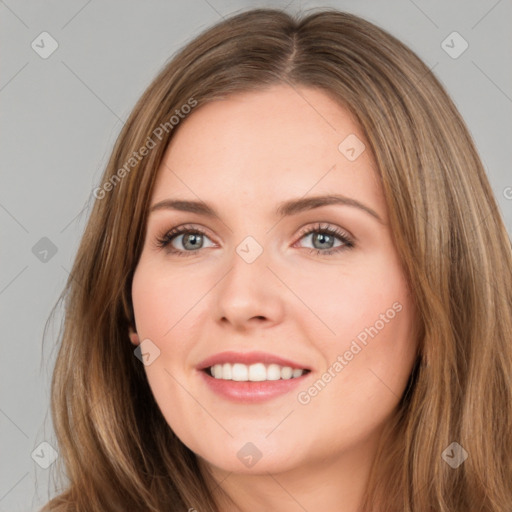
(325, 226)
(181, 229)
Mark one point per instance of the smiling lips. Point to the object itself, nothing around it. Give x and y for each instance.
(251, 377)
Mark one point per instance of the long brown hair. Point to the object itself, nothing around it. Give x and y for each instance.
(447, 230)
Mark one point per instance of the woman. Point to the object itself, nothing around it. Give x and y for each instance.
(217, 356)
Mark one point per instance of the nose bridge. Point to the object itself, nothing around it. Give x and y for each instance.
(249, 289)
(249, 270)
(250, 250)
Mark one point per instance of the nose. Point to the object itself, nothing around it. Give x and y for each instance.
(250, 294)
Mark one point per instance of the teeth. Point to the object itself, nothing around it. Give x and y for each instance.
(286, 372)
(238, 372)
(226, 372)
(257, 372)
(254, 372)
(273, 372)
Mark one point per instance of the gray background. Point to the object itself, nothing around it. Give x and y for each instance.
(61, 115)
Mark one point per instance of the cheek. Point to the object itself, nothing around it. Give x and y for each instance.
(345, 299)
(366, 339)
(160, 301)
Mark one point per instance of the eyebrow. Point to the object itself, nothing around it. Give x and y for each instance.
(285, 209)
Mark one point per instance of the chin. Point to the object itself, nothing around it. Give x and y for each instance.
(239, 455)
(266, 464)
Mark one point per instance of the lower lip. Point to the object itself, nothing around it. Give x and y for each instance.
(251, 392)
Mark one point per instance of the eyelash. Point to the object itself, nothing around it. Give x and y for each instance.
(165, 240)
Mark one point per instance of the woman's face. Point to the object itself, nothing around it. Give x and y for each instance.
(274, 281)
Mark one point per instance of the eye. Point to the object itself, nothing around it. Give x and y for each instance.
(324, 237)
(191, 238)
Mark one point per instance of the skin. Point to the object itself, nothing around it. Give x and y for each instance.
(244, 155)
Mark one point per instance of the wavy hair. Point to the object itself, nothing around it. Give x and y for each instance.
(447, 229)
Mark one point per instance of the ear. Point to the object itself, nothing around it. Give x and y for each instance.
(134, 337)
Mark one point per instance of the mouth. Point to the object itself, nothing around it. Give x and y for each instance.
(251, 377)
(255, 383)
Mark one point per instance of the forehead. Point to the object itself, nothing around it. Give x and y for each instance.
(266, 146)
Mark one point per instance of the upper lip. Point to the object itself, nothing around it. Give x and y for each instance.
(248, 358)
